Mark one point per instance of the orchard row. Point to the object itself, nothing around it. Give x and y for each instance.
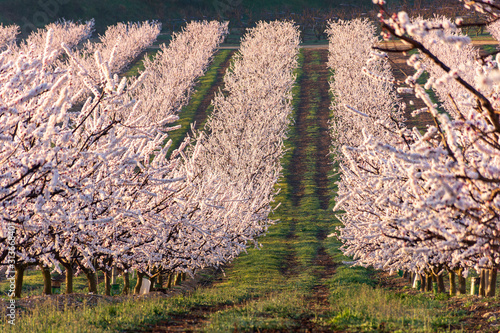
(84, 174)
(425, 203)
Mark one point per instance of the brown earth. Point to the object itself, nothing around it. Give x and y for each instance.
(291, 265)
(325, 267)
(401, 71)
(298, 166)
(314, 93)
(323, 139)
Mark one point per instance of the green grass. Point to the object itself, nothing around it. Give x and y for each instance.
(485, 36)
(128, 315)
(432, 93)
(489, 48)
(359, 305)
(33, 283)
(286, 308)
(367, 309)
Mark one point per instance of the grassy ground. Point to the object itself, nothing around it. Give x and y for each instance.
(33, 283)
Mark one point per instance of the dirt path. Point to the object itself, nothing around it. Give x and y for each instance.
(323, 140)
(311, 157)
(314, 95)
(290, 264)
(297, 168)
(401, 71)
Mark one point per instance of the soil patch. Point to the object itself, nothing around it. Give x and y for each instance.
(325, 269)
(323, 139)
(290, 264)
(301, 140)
(401, 71)
(314, 93)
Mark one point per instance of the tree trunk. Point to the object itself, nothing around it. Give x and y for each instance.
(453, 285)
(69, 278)
(461, 282)
(440, 282)
(486, 281)
(169, 281)
(178, 279)
(91, 279)
(482, 283)
(138, 285)
(423, 283)
(434, 281)
(107, 283)
(20, 268)
(126, 283)
(160, 280)
(429, 282)
(47, 281)
(492, 283)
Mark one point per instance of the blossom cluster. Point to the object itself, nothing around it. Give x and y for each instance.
(429, 200)
(116, 49)
(8, 35)
(67, 32)
(168, 86)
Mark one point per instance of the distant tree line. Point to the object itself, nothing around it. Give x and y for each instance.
(30, 15)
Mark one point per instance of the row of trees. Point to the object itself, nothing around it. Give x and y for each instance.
(421, 202)
(85, 179)
(66, 32)
(53, 146)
